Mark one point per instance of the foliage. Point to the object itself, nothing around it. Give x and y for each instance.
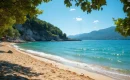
(43, 28)
(15, 11)
(86, 5)
(123, 25)
(12, 32)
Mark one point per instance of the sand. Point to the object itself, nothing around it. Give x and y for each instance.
(22, 65)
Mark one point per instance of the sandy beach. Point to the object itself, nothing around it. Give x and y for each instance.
(24, 66)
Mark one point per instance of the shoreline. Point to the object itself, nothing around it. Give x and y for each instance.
(79, 72)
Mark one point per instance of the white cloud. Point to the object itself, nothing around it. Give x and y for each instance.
(78, 19)
(72, 9)
(95, 21)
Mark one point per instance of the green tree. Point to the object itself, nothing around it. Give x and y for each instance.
(11, 32)
(16, 33)
(15, 11)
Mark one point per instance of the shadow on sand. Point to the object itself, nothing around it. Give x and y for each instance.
(8, 71)
(2, 51)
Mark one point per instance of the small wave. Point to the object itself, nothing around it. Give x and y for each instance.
(119, 61)
(15, 46)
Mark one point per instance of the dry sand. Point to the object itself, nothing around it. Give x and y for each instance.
(22, 66)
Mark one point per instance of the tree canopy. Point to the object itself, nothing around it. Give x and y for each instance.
(15, 11)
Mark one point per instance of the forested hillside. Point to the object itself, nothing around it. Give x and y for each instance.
(35, 29)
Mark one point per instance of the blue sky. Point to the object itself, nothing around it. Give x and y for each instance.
(74, 21)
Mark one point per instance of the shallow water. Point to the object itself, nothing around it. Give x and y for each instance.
(108, 57)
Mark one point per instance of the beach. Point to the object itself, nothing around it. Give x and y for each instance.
(27, 66)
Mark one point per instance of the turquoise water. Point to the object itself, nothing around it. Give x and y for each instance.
(107, 55)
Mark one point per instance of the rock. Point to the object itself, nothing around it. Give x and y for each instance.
(10, 51)
(28, 38)
(43, 39)
(19, 27)
(37, 37)
(29, 32)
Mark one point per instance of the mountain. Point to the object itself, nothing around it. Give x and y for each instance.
(35, 29)
(38, 30)
(103, 34)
